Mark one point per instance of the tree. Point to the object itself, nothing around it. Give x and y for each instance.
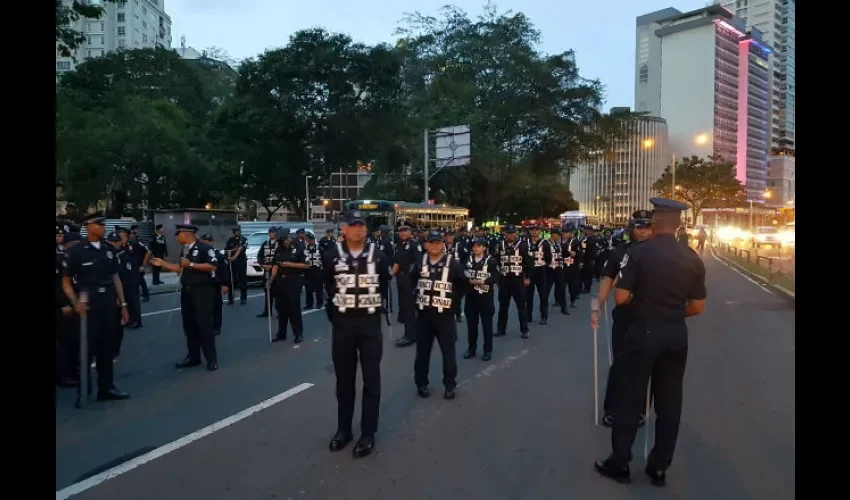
(702, 183)
(68, 12)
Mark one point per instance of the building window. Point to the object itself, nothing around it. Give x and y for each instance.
(63, 65)
(643, 74)
(145, 38)
(102, 27)
(121, 31)
(121, 18)
(121, 43)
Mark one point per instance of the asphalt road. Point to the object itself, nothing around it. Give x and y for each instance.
(521, 427)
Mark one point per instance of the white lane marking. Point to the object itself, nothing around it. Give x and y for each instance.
(93, 481)
(154, 313)
(756, 283)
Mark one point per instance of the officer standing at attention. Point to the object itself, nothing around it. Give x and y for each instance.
(482, 272)
(385, 245)
(94, 267)
(235, 248)
(327, 241)
(129, 280)
(313, 258)
(555, 272)
(588, 258)
(662, 283)
(571, 252)
(159, 249)
(641, 226)
(299, 238)
(221, 278)
(540, 251)
(67, 321)
(515, 269)
(457, 249)
(407, 255)
(353, 271)
(289, 265)
(197, 266)
(265, 257)
(140, 257)
(136, 255)
(440, 275)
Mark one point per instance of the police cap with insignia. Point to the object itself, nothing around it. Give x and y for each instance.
(403, 227)
(273, 230)
(121, 229)
(642, 218)
(237, 229)
(666, 205)
(434, 236)
(282, 232)
(329, 230)
(631, 223)
(533, 226)
(299, 230)
(353, 217)
(113, 236)
(185, 228)
(310, 236)
(100, 221)
(479, 241)
(385, 228)
(69, 237)
(206, 237)
(509, 228)
(555, 230)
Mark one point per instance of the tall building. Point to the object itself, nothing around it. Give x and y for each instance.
(648, 61)
(753, 113)
(136, 24)
(781, 181)
(776, 20)
(613, 186)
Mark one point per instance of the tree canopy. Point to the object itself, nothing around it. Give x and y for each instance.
(702, 183)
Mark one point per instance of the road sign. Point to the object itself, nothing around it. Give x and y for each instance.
(453, 146)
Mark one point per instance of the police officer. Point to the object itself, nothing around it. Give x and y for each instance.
(136, 255)
(221, 279)
(482, 272)
(515, 268)
(313, 276)
(327, 241)
(385, 245)
(265, 257)
(94, 267)
(198, 264)
(572, 255)
(555, 271)
(457, 249)
(588, 258)
(235, 248)
(129, 280)
(641, 226)
(299, 238)
(353, 271)
(139, 257)
(663, 283)
(289, 265)
(158, 249)
(440, 275)
(67, 321)
(408, 253)
(540, 251)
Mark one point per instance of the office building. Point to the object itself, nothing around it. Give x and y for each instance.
(776, 20)
(613, 184)
(781, 181)
(753, 113)
(343, 185)
(136, 24)
(648, 61)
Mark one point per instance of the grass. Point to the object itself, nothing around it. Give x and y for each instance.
(776, 278)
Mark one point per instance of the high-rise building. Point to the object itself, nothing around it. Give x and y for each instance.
(776, 20)
(753, 113)
(648, 61)
(135, 24)
(617, 182)
(781, 181)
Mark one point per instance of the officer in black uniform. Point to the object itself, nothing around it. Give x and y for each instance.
(299, 238)
(540, 251)
(136, 255)
(457, 249)
(641, 228)
(555, 272)
(198, 264)
(572, 255)
(482, 274)
(313, 258)
(327, 241)
(235, 248)
(221, 279)
(515, 268)
(67, 321)
(94, 267)
(289, 264)
(385, 245)
(158, 249)
(439, 276)
(265, 257)
(129, 280)
(663, 283)
(353, 271)
(407, 254)
(140, 258)
(588, 258)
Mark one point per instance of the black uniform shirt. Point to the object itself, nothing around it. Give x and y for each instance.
(265, 255)
(59, 262)
(233, 243)
(135, 253)
(158, 246)
(291, 253)
(92, 267)
(313, 256)
(431, 294)
(662, 276)
(199, 253)
(486, 270)
(125, 268)
(612, 270)
(221, 275)
(507, 252)
(540, 252)
(351, 283)
(407, 255)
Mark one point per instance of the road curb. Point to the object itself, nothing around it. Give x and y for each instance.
(766, 281)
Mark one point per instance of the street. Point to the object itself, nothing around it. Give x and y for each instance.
(521, 427)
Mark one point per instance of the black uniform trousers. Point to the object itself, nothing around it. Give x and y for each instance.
(656, 349)
(313, 286)
(217, 307)
(131, 295)
(101, 334)
(384, 287)
(239, 279)
(616, 375)
(142, 283)
(511, 288)
(572, 278)
(600, 265)
(266, 275)
(350, 337)
(406, 306)
(555, 278)
(538, 283)
(479, 307)
(196, 309)
(287, 294)
(587, 270)
(431, 324)
(457, 305)
(67, 345)
(155, 270)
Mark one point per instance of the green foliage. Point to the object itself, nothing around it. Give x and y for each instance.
(702, 183)
(67, 12)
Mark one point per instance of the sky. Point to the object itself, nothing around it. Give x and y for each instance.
(601, 32)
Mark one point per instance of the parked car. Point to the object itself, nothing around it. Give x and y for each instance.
(766, 236)
(255, 272)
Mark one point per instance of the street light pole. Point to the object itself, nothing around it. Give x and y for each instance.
(425, 141)
(307, 195)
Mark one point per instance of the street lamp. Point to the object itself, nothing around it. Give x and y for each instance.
(701, 139)
(307, 195)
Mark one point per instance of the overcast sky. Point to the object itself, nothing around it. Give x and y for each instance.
(601, 32)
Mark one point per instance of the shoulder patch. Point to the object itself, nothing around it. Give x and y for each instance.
(624, 261)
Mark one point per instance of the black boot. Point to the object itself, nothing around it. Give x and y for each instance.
(614, 471)
(470, 353)
(340, 440)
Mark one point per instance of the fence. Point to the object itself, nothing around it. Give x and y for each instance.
(773, 267)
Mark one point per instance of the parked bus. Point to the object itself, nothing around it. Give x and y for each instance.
(578, 218)
(419, 215)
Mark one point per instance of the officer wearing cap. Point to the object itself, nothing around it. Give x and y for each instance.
(140, 257)
(132, 249)
(457, 249)
(571, 253)
(589, 248)
(641, 227)
(94, 266)
(540, 252)
(407, 254)
(313, 276)
(158, 248)
(265, 257)
(662, 283)
(299, 238)
(440, 276)
(235, 248)
(555, 271)
(198, 264)
(385, 245)
(129, 280)
(327, 241)
(289, 264)
(482, 272)
(221, 279)
(515, 267)
(352, 274)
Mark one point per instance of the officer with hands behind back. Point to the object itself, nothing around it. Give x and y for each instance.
(662, 282)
